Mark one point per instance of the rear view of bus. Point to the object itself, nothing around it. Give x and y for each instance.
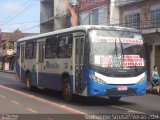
(117, 63)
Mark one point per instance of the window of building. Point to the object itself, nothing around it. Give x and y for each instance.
(102, 16)
(65, 46)
(155, 17)
(85, 18)
(95, 17)
(51, 48)
(29, 54)
(132, 20)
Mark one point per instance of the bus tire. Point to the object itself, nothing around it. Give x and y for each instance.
(67, 95)
(114, 99)
(28, 82)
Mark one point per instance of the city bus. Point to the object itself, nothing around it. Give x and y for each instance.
(88, 60)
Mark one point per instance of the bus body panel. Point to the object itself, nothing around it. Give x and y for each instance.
(134, 88)
(48, 73)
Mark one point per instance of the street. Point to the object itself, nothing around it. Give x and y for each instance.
(15, 99)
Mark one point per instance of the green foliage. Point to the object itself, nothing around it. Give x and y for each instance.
(17, 31)
(10, 45)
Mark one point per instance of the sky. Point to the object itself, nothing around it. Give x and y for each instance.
(22, 14)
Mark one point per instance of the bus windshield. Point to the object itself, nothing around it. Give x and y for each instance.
(116, 49)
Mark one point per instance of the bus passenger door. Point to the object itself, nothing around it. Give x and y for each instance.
(79, 52)
(40, 64)
(22, 64)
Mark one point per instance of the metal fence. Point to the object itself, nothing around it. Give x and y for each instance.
(152, 23)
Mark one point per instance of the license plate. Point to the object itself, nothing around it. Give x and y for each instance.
(122, 88)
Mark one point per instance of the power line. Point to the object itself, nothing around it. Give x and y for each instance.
(18, 23)
(30, 27)
(20, 12)
(15, 11)
(23, 11)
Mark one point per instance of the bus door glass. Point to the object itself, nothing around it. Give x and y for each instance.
(79, 52)
(22, 64)
(40, 64)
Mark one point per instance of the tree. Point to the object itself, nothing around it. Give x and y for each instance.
(10, 44)
(17, 31)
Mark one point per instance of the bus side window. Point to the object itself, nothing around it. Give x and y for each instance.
(65, 46)
(18, 51)
(22, 54)
(51, 48)
(29, 54)
(79, 50)
(35, 50)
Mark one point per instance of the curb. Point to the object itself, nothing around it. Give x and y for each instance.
(11, 72)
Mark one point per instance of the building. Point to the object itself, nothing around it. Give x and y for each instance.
(8, 48)
(143, 15)
(55, 14)
(94, 12)
(52, 15)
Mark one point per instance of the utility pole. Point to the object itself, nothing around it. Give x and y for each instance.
(73, 13)
(78, 10)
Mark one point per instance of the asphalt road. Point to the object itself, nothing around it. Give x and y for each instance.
(15, 99)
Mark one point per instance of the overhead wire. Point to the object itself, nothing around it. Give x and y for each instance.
(30, 5)
(80, 1)
(30, 27)
(14, 12)
(19, 23)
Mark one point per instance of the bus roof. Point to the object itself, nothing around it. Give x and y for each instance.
(78, 28)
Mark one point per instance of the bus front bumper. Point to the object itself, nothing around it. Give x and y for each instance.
(96, 89)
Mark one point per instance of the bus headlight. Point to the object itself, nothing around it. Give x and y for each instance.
(142, 80)
(96, 79)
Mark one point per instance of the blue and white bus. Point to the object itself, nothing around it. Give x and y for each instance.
(85, 60)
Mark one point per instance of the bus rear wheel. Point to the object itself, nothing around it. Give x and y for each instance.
(67, 94)
(28, 82)
(114, 99)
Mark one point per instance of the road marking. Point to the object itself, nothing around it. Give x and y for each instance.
(2, 96)
(44, 101)
(50, 119)
(32, 110)
(17, 103)
(128, 110)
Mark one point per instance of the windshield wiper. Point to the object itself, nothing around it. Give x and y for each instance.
(122, 57)
(116, 48)
(122, 53)
(115, 51)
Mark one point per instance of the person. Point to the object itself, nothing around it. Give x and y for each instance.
(155, 78)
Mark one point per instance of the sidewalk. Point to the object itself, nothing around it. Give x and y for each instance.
(149, 88)
(8, 71)
(148, 85)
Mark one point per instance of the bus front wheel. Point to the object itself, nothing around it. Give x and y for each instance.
(67, 95)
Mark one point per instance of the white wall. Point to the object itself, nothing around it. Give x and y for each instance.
(60, 10)
(114, 13)
(46, 11)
